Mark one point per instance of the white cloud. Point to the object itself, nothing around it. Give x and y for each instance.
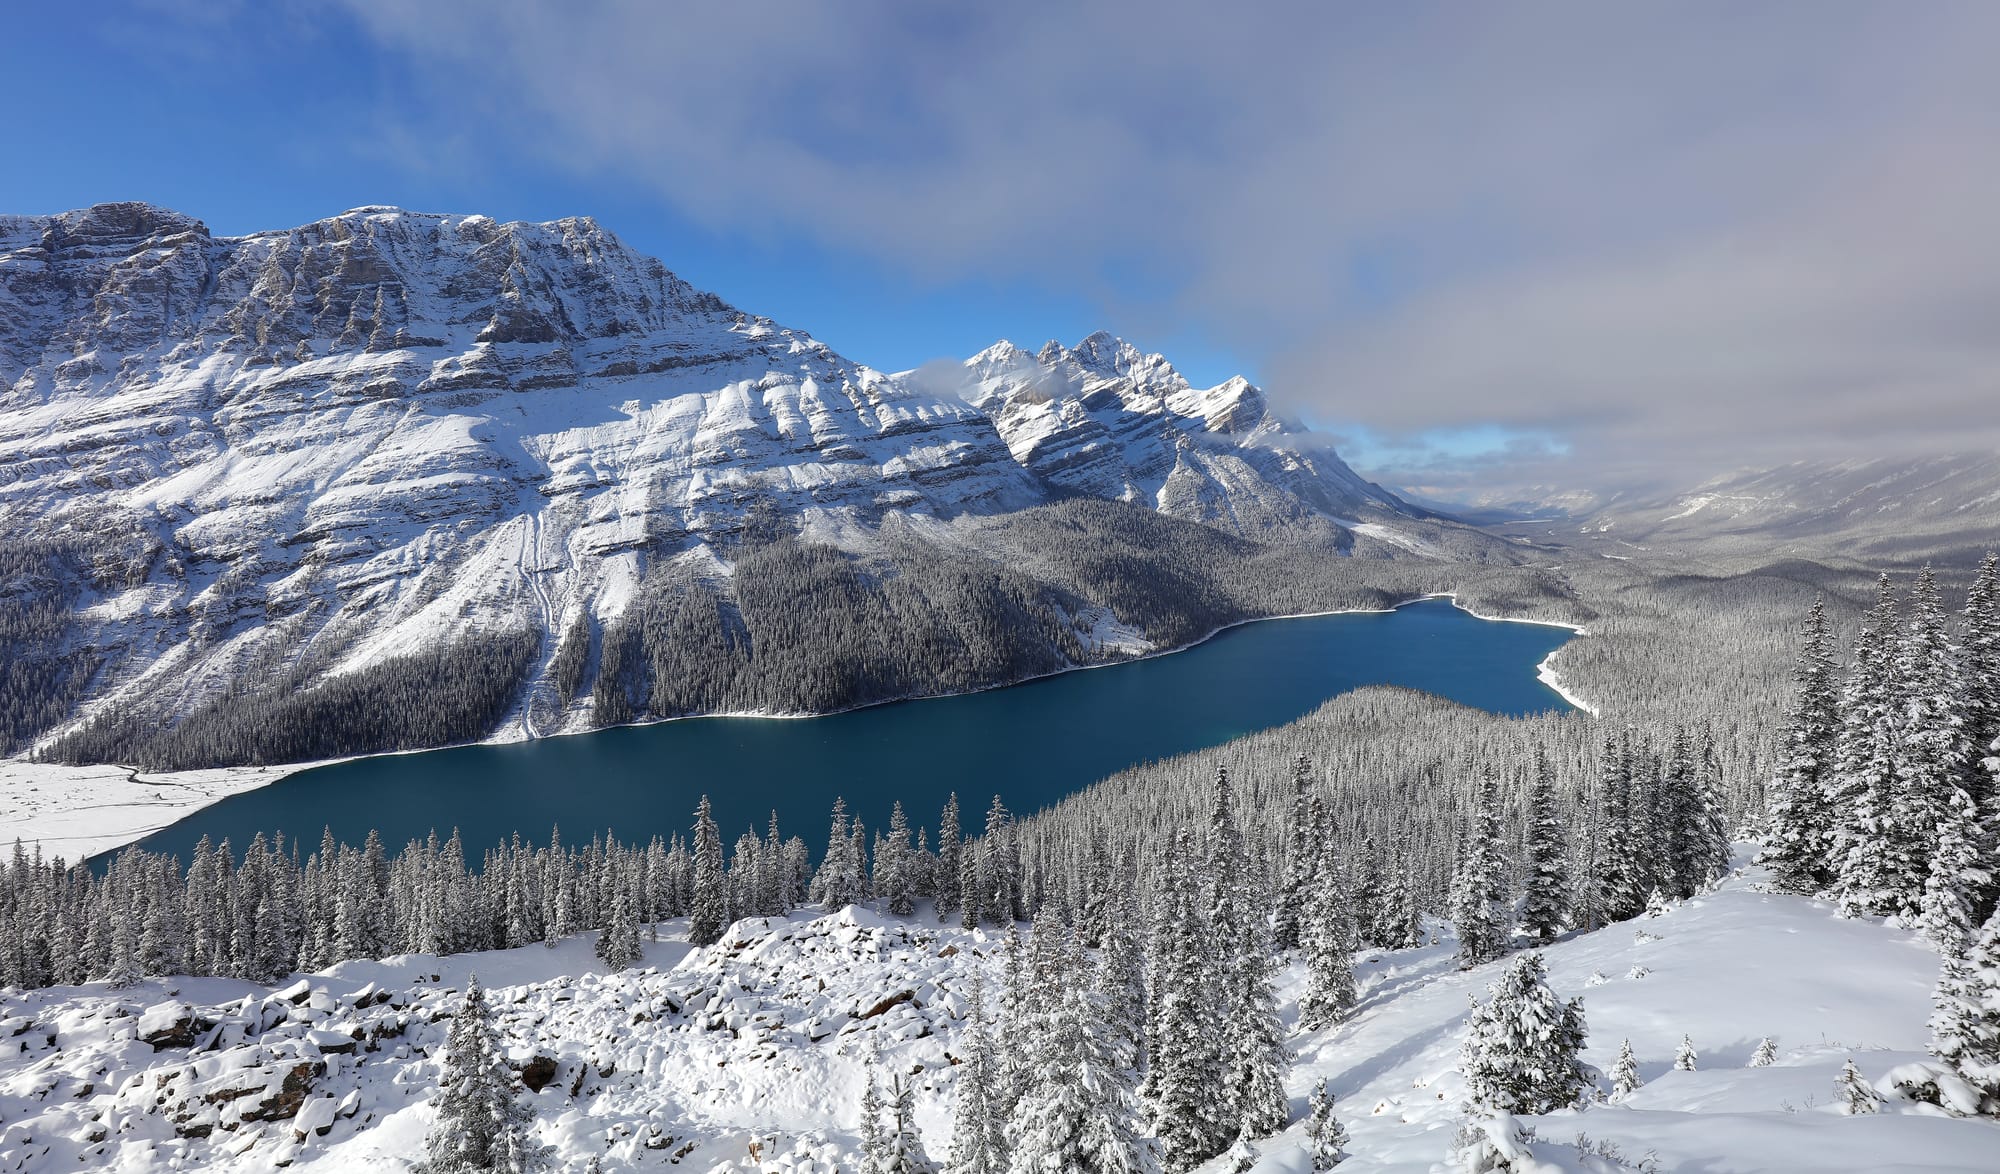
(1692, 234)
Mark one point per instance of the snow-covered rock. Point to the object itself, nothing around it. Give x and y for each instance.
(750, 1055)
(357, 438)
(386, 427)
(1105, 419)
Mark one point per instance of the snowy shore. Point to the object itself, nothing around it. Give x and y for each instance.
(75, 812)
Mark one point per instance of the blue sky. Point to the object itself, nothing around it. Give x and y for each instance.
(1489, 247)
(257, 124)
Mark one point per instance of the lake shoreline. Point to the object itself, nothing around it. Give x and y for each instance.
(72, 797)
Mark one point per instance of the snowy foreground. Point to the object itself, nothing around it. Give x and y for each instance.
(751, 1055)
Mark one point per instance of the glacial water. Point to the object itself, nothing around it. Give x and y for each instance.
(1031, 744)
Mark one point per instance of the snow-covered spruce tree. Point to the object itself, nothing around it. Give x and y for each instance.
(1329, 946)
(618, 945)
(1120, 979)
(1685, 1057)
(1078, 1112)
(1875, 873)
(1010, 1033)
(838, 882)
(1979, 668)
(1479, 907)
(1301, 860)
(1625, 1078)
(1799, 834)
(1546, 908)
(1522, 1046)
(1367, 898)
(1958, 874)
(710, 915)
(1965, 1027)
(1000, 877)
(1253, 1048)
(1183, 1044)
(1621, 894)
(479, 1121)
(978, 1136)
(1328, 1137)
(1710, 831)
(1685, 865)
(1402, 920)
(949, 846)
(894, 882)
(1766, 1053)
(874, 1140)
(1937, 812)
(904, 1152)
(1856, 1097)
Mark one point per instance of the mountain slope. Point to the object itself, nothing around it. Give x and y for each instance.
(260, 465)
(1106, 420)
(1887, 510)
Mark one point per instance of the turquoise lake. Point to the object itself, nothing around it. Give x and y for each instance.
(1031, 744)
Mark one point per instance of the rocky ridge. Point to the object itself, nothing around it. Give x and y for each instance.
(344, 442)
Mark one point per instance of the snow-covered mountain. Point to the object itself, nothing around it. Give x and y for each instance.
(357, 438)
(1885, 510)
(1104, 419)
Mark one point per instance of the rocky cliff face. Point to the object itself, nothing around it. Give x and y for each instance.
(385, 425)
(1105, 420)
(348, 440)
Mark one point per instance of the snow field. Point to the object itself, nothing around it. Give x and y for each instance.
(752, 1054)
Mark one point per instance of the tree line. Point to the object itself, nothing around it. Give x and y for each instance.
(1886, 798)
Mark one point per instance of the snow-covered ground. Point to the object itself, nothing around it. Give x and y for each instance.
(78, 811)
(750, 1055)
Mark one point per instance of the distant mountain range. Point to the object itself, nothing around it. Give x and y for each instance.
(1887, 511)
(364, 435)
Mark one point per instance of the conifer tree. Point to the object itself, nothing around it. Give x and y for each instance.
(1625, 1073)
(904, 1148)
(1857, 1098)
(1621, 894)
(1874, 872)
(1186, 1056)
(948, 849)
(978, 1141)
(893, 884)
(1545, 911)
(1522, 1046)
(1301, 860)
(874, 1141)
(1000, 866)
(1329, 957)
(1684, 1059)
(1965, 1027)
(618, 944)
(1799, 836)
(1327, 1135)
(1766, 1053)
(1253, 1050)
(1480, 910)
(837, 884)
(1079, 1112)
(710, 914)
(479, 1121)
(1980, 671)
